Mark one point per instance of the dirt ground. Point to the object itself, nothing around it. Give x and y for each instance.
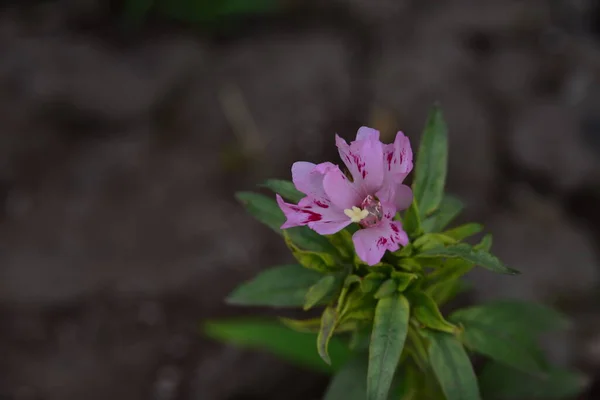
(121, 148)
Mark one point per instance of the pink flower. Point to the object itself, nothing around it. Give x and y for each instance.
(371, 199)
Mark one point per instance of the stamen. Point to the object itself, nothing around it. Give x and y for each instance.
(356, 214)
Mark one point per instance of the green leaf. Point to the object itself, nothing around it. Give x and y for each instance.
(313, 325)
(386, 289)
(431, 164)
(448, 209)
(499, 382)
(486, 243)
(328, 322)
(468, 253)
(350, 383)
(390, 327)
(432, 240)
(443, 283)
(320, 290)
(357, 305)
(298, 348)
(320, 262)
(350, 279)
(286, 189)
(342, 241)
(371, 281)
(410, 264)
(263, 209)
(283, 286)
(268, 212)
(305, 239)
(464, 231)
(411, 221)
(452, 366)
(518, 317)
(410, 379)
(502, 345)
(404, 279)
(443, 294)
(451, 269)
(427, 312)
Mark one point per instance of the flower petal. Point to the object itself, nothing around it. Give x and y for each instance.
(342, 193)
(371, 243)
(296, 215)
(308, 178)
(403, 197)
(364, 159)
(398, 158)
(320, 215)
(364, 132)
(397, 165)
(329, 227)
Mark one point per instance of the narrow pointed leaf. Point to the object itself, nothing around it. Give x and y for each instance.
(452, 366)
(296, 347)
(390, 327)
(448, 209)
(328, 322)
(286, 189)
(427, 312)
(313, 325)
(464, 231)
(432, 163)
(324, 287)
(486, 243)
(306, 325)
(283, 286)
(468, 253)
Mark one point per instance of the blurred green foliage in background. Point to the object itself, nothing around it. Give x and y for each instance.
(205, 13)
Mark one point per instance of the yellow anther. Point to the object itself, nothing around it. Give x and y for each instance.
(356, 214)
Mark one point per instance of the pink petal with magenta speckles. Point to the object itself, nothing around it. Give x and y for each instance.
(364, 160)
(371, 243)
(342, 193)
(320, 215)
(308, 177)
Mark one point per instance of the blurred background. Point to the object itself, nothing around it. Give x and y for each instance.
(126, 127)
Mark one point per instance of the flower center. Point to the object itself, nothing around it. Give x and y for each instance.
(368, 214)
(374, 209)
